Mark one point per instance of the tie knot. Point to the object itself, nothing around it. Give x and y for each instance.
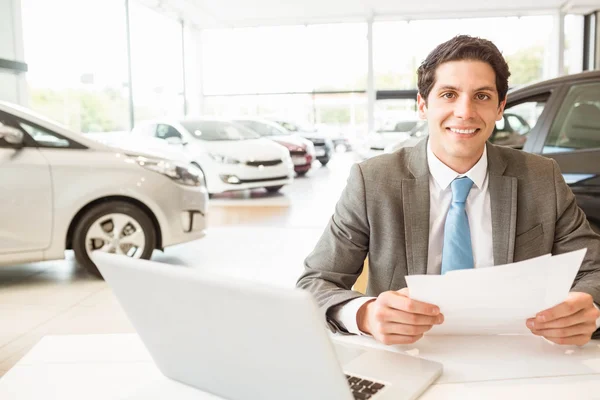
(460, 189)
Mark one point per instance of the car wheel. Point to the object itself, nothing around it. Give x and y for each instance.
(114, 227)
(324, 162)
(301, 173)
(274, 189)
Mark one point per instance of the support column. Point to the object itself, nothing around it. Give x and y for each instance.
(371, 92)
(557, 57)
(192, 63)
(13, 85)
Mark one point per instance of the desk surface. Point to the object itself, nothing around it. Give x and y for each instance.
(495, 367)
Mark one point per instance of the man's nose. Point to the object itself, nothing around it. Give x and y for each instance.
(464, 108)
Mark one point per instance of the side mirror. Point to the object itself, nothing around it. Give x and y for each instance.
(11, 135)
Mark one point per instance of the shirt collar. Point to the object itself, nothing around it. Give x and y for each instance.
(444, 175)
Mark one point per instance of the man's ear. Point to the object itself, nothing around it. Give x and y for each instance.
(501, 109)
(422, 105)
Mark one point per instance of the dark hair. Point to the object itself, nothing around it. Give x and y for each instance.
(464, 47)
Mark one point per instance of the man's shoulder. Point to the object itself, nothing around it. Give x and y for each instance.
(520, 162)
(392, 164)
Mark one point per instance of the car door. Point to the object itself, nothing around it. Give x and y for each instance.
(25, 195)
(573, 140)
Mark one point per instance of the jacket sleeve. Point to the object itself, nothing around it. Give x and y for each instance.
(337, 260)
(573, 232)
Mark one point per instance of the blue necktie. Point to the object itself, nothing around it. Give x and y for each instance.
(457, 252)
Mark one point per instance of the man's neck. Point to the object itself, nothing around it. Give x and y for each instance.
(459, 165)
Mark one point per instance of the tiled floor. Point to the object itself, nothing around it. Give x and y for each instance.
(254, 236)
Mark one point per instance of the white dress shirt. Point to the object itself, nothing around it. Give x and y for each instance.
(479, 214)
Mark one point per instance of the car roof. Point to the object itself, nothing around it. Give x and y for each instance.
(549, 84)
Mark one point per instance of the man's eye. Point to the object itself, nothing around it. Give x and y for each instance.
(448, 95)
(482, 96)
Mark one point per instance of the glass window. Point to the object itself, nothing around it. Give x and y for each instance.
(164, 131)
(78, 65)
(517, 122)
(577, 124)
(285, 59)
(157, 68)
(219, 130)
(524, 41)
(45, 138)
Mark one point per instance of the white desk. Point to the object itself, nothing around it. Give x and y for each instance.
(107, 367)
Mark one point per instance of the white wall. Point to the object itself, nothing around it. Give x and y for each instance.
(13, 86)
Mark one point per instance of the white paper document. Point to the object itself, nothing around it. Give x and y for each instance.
(497, 300)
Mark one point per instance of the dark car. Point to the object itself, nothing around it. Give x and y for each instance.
(563, 123)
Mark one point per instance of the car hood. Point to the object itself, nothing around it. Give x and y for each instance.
(241, 150)
(291, 139)
(143, 147)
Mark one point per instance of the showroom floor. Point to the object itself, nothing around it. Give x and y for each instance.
(251, 235)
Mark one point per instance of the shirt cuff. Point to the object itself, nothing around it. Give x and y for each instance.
(598, 320)
(346, 314)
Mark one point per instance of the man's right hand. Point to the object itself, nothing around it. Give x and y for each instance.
(394, 318)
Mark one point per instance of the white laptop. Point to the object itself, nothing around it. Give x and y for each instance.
(242, 340)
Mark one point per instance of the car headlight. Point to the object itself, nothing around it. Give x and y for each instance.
(185, 174)
(223, 159)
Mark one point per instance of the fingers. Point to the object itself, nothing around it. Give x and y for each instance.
(393, 328)
(400, 301)
(579, 317)
(575, 302)
(387, 314)
(585, 329)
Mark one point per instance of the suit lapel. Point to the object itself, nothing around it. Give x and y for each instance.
(415, 203)
(503, 196)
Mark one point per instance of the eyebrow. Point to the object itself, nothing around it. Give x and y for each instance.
(450, 87)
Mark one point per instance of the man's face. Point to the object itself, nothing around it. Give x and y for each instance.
(462, 109)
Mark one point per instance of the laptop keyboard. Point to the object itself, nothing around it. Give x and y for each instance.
(363, 388)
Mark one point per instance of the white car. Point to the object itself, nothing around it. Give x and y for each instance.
(62, 190)
(231, 156)
(376, 142)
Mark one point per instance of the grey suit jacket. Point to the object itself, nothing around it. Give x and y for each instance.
(384, 213)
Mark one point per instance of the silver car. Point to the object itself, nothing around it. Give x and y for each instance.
(62, 190)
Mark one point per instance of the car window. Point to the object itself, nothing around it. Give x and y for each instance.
(517, 122)
(148, 130)
(164, 131)
(263, 129)
(219, 130)
(9, 127)
(577, 124)
(44, 137)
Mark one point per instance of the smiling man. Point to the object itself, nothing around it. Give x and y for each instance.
(454, 201)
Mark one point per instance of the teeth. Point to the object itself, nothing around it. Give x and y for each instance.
(463, 131)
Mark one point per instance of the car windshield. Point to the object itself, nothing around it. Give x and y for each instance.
(296, 127)
(264, 128)
(218, 130)
(401, 126)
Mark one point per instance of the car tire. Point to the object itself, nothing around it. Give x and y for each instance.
(104, 217)
(274, 189)
(301, 173)
(324, 162)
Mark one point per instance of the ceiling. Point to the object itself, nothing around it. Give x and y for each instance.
(246, 13)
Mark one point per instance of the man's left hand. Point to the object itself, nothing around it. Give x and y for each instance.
(571, 322)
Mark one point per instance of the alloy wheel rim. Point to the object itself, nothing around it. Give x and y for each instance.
(116, 233)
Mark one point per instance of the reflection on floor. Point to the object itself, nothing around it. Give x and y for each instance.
(252, 235)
